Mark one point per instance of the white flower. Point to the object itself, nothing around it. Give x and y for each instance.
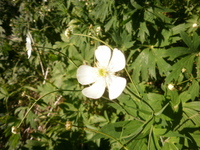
(28, 45)
(103, 75)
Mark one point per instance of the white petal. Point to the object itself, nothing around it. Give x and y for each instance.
(103, 54)
(117, 61)
(28, 39)
(29, 52)
(116, 86)
(28, 46)
(96, 90)
(86, 74)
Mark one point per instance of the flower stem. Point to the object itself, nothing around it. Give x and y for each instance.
(36, 102)
(94, 39)
(137, 92)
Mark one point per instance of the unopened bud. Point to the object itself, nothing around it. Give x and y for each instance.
(194, 25)
(68, 125)
(14, 130)
(171, 87)
(183, 70)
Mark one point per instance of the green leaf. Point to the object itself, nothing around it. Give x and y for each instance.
(186, 39)
(192, 117)
(30, 118)
(192, 105)
(196, 41)
(169, 146)
(194, 89)
(175, 52)
(143, 32)
(3, 92)
(179, 28)
(186, 62)
(145, 65)
(196, 137)
(140, 144)
(184, 96)
(112, 130)
(135, 4)
(34, 143)
(13, 141)
(155, 100)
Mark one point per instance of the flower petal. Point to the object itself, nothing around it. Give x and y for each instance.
(96, 90)
(86, 74)
(103, 54)
(115, 86)
(28, 46)
(117, 61)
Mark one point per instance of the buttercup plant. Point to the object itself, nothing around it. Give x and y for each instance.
(103, 74)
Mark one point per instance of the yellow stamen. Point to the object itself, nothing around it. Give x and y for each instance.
(103, 72)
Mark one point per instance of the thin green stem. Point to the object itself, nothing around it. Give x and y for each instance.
(107, 136)
(187, 81)
(94, 39)
(37, 101)
(59, 53)
(129, 113)
(138, 94)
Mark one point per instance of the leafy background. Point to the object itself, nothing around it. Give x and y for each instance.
(41, 105)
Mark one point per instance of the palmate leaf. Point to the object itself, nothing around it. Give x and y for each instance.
(190, 62)
(193, 43)
(145, 65)
(186, 62)
(97, 12)
(194, 89)
(191, 115)
(142, 64)
(132, 133)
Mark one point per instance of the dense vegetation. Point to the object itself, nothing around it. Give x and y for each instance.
(41, 104)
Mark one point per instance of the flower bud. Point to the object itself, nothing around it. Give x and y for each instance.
(194, 25)
(14, 130)
(171, 87)
(68, 125)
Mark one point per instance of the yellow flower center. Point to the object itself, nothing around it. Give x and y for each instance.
(103, 72)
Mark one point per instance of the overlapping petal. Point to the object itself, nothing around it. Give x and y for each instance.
(115, 86)
(117, 61)
(103, 54)
(96, 90)
(86, 74)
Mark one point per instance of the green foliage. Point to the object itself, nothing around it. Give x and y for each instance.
(41, 104)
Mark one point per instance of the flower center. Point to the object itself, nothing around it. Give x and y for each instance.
(103, 72)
